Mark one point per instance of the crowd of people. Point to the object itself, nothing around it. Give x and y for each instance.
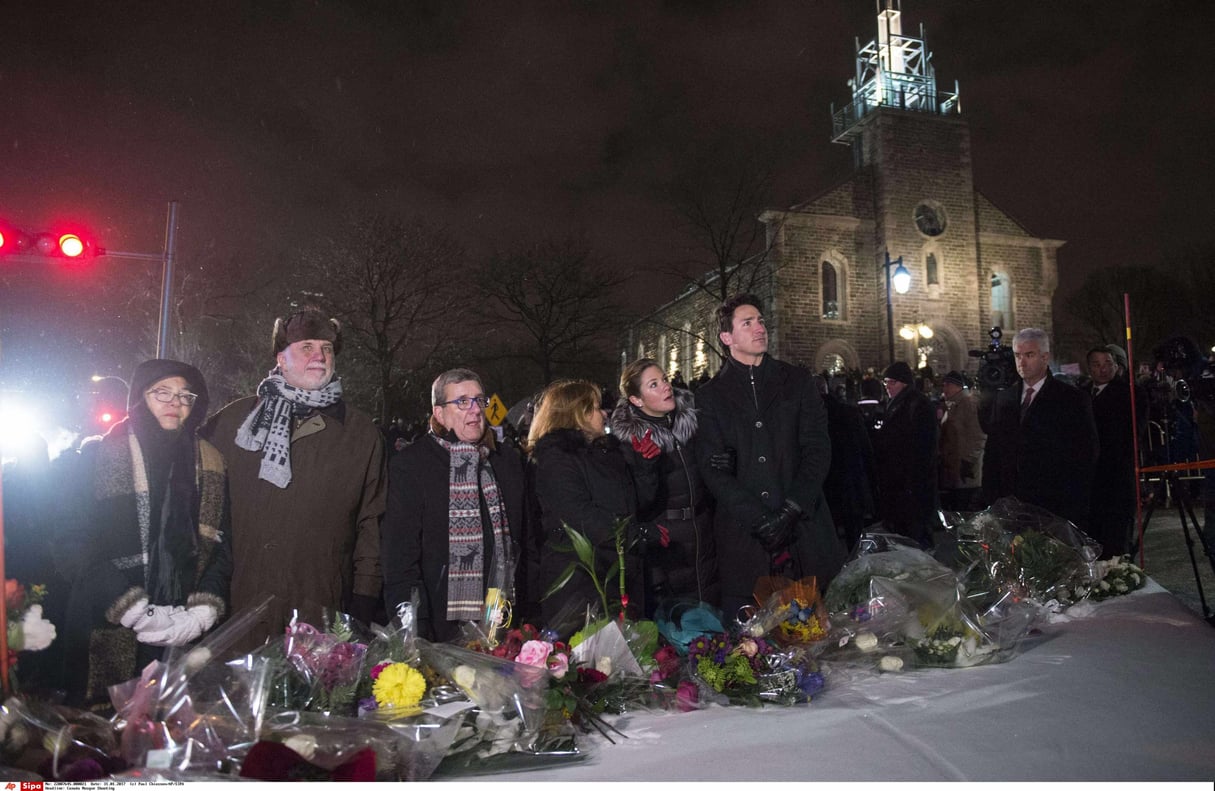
(174, 520)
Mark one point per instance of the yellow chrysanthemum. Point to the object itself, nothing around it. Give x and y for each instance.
(399, 685)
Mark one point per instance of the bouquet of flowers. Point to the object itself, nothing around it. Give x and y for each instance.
(1024, 551)
(894, 606)
(317, 669)
(792, 613)
(1116, 577)
(750, 671)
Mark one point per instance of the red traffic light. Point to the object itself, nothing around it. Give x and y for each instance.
(70, 243)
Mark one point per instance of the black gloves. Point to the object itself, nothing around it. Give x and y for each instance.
(726, 461)
(775, 531)
(653, 535)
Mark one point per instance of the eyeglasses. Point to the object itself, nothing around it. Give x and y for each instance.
(464, 403)
(167, 396)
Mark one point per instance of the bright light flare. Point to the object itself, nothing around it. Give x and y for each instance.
(71, 245)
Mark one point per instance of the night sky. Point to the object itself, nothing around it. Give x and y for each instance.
(267, 120)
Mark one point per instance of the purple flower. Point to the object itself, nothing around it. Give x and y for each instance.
(368, 704)
(809, 682)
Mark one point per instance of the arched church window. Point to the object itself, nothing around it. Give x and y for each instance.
(831, 291)
(932, 274)
(1001, 300)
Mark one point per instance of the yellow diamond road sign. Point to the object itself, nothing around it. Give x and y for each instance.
(495, 413)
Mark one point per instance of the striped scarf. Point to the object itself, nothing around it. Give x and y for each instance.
(268, 426)
(468, 478)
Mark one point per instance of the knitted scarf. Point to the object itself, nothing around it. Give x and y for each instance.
(268, 426)
(465, 545)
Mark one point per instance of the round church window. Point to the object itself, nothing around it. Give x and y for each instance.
(930, 219)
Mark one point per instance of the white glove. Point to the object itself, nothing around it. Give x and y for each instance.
(143, 616)
(187, 626)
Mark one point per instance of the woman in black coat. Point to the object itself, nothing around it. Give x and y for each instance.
(654, 411)
(580, 479)
(144, 531)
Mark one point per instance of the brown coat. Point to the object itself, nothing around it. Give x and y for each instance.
(316, 542)
(962, 439)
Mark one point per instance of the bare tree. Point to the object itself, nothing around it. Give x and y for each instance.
(389, 281)
(1155, 310)
(558, 298)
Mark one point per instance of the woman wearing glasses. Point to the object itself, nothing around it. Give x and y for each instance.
(145, 533)
(580, 480)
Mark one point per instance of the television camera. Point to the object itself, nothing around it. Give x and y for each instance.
(998, 366)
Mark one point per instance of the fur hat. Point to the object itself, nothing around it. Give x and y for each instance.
(900, 372)
(307, 324)
(955, 377)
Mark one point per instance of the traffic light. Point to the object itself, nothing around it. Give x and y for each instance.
(66, 242)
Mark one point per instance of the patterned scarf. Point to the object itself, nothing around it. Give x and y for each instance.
(268, 426)
(465, 546)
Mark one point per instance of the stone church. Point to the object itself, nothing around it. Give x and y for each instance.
(835, 274)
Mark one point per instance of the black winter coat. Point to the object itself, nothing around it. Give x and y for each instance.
(906, 450)
(1047, 458)
(1112, 507)
(414, 533)
(687, 567)
(778, 427)
(586, 485)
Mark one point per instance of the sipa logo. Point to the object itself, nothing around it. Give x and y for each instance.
(31, 786)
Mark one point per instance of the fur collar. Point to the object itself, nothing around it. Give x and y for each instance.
(630, 423)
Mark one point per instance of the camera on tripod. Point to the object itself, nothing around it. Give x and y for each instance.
(998, 368)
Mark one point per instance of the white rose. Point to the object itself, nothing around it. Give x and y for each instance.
(37, 632)
(604, 665)
(464, 676)
(303, 744)
(866, 641)
(890, 664)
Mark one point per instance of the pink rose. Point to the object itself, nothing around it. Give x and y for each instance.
(534, 653)
(687, 696)
(749, 648)
(558, 665)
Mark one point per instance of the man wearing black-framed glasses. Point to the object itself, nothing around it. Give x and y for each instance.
(454, 520)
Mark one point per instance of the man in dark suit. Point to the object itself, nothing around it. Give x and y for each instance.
(1041, 438)
(1112, 509)
(763, 450)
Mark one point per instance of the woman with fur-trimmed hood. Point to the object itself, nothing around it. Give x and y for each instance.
(145, 534)
(655, 419)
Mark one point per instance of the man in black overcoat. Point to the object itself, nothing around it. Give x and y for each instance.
(1041, 447)
(764, 451)
(1112, 509)
(906, 451)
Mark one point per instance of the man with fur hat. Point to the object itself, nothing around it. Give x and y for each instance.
(906, 449)
(961, 449)
(307, 481)
(144, 535)
(454, 522)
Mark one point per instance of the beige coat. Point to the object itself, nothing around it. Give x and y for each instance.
(962, 439)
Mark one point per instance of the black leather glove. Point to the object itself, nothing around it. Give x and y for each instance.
(653, 535)
(726, 461)
(775, 531)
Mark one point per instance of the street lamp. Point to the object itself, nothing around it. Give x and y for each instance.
(900, 281)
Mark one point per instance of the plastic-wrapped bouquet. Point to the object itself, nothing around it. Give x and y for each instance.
(27, 629)
(792, 613)
(317, 669)
(1017, 549)
(750, 671)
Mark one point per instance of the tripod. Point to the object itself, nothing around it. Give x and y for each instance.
(1174, 486)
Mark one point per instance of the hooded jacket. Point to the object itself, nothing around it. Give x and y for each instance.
(170, 544)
